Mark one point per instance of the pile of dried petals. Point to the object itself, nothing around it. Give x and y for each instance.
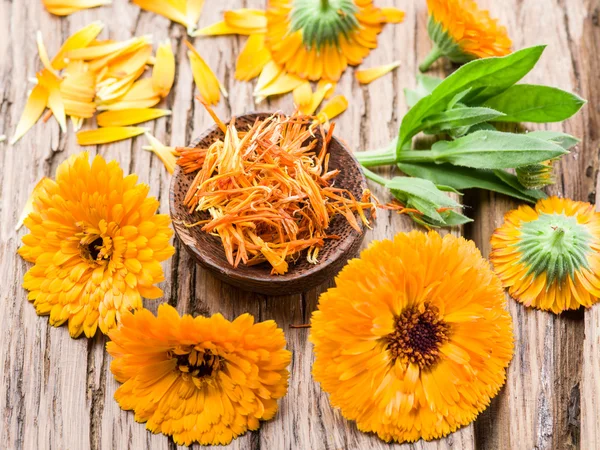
(89, 75)
(269, 190)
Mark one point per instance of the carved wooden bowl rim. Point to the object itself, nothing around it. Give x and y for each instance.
(201, 245)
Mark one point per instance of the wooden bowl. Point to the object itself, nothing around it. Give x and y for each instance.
(301, 276)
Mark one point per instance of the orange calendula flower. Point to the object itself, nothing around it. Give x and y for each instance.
(198, 379)
(303, 39)
(547, 256)
(96, 243)
(414, 340)
(66, 7)
(462, 32)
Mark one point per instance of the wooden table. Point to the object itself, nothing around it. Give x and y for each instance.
(57, 392)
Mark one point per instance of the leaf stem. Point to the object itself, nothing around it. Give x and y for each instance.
(433, 55)
(381, 157)
(374, 177)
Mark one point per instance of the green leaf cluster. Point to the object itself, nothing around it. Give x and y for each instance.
(463, 108)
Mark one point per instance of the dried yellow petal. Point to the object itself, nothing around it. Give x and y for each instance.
(29, 204)
(131, 116)
(66, 7)
(163, 73)
(252, 58)
(365, 76)
(80, 39)
(333, 108)
(35, 106)
(108, 134)
(205, 79)
(166, 154)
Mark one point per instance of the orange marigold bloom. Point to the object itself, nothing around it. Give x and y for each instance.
(462, 32)
(198, 379)
(414, 340)
(96, 243)
(547, 256)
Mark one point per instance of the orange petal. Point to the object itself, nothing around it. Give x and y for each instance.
(205, 79)
(80, 39)
(66, 7)
(393, 15)
(163, 72)
(166, 154)
(333, 108)
(365, 76)
(132, 116)
(108, 134)
(55, 102)
(252, 58)
(174, 11)
(29, 204)
(35, 106)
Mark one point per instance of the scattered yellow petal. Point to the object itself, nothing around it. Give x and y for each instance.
(204, 77)
(66, 7)
(172, 10)
(132, 116)
(316, 99)
(242, 21)
(114, 89)
(333, 108)
(106, 48)
(302, 95)
(35, 106)
(120, 55)
(141, 95)
(55, 102)
(78, 90)
(166, 154)
(77, 122)
(129, 63)
(252, 58)
(393, 15)
(193, 12)
(283, 83)
(43, 53)
(365, 76)
(269, 73)
(163, 73)
(80, 39)
(108, 134)
(29, 204)
(329, 91)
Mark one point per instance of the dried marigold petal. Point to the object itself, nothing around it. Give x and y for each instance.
(166, 154)
(130, 116)
(163, 73)
(35, 106)
(366, 76)
(108, 134)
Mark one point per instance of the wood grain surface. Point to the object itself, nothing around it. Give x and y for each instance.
(57, 393)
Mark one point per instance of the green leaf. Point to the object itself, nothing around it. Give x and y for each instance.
(533, 103)
(485, 77)
(493, 150)
(565, 140)
(422, 189)
(458, 117)
(425, 86)
(462, 178)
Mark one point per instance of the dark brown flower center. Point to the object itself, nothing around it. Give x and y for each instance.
(94, 248)
(198, 364)
(418, 335)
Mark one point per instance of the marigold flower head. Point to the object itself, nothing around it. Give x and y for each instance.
(414, 340)
(96, 243)
(547, 256)
(198, 379)
(462, 32)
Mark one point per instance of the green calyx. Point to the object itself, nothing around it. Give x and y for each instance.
(323, 22)
(443, 45)
(556, 245)
(536, 176)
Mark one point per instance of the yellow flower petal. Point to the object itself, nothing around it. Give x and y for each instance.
(283, 83)
(166, 154)
(330, 91)
(35, 106)
(169, 9)
(29, 204)
(316, 99)
(114, 89)
(121, 56)
(302, 95)
(205, 79)
(66, 7)
(193, 12)
(77, 122)
(243, 21)
(43, 54)
(269, 73)
(141, 95)
(78, 90)
(80, 39)
(55, 102)
(132, 116)
(163, 72)
(108, 134)
(252, 58)
(107, 48)
(333, 108)
(393, 15)
(129, 63)
(365, 76)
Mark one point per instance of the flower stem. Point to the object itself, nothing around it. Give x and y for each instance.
(433, 55)
(382, 157)
(374, 177)
(324, 4)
